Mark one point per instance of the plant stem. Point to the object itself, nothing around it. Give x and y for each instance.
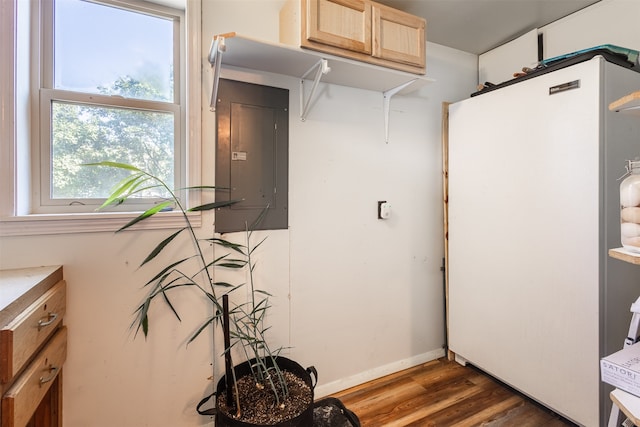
(228, 364)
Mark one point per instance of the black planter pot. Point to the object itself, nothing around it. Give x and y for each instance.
(305, 419)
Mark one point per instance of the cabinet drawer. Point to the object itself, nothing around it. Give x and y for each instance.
(21, 338)
(21, 400)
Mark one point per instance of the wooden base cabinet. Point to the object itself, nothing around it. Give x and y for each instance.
(33, 346)
(49, 412)
(357, 29)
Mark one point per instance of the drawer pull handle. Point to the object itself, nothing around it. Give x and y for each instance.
(51, 317)
(53, 372)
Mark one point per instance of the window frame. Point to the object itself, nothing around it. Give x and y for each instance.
(19, 125)
(42, 202)
(42, 172)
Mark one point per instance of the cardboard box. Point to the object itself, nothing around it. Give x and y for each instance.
(622, 369)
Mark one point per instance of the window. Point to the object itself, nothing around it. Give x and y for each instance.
(107, 93)
(77, 89)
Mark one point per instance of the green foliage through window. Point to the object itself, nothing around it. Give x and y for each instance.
(83, 133)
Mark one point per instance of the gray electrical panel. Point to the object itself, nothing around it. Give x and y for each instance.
(252, 155)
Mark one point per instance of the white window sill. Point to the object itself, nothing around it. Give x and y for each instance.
(31, 225)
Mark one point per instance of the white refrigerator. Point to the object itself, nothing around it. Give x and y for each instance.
(534, 299)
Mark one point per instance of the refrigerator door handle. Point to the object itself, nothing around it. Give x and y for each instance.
(564, 87)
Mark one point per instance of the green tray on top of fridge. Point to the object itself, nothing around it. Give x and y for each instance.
(630, 54)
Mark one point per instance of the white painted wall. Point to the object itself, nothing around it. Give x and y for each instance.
(499, 64)
(355, 296)
(606, 22)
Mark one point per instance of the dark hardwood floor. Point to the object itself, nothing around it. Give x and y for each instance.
(444, 394)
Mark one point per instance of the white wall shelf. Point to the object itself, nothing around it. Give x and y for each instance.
(238, 51)
(629, 104)
(625, 255)
(628, 404)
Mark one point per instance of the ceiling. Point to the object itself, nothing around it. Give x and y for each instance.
(477, 26)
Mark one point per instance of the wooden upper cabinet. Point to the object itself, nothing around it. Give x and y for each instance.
(398, 36)
(357, 29)
(341, 23)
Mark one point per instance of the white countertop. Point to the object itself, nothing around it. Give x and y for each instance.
(20, 287)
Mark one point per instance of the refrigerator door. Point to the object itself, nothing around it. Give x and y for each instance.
(524, 230)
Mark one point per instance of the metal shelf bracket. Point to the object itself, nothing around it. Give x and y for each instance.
(215, 59)
(386, 99)
(321, 67)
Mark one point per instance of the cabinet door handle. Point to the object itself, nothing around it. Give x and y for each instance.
(53, 372)
(51, 317)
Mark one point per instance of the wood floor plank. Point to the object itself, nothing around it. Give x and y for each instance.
(442, 393)
(421, 408)
(485, 397)
(497, 409)
(527, 416)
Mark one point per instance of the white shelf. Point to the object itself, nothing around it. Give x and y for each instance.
(237, 51)
(629, 104)
(625, 255)
(278, 58)
(628, 404)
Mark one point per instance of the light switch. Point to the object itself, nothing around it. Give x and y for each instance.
(384, 209)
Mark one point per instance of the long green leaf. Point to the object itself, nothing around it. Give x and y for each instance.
(115, 165)
(161, 246)
(219, 263)
(121, 189)
(168, 302)
(258, 220)
(220, 258)
(138, 189)
(259, 291)
(256, 246)
(146, 214)
(164, 271)
(227, 285)
(202, 327)
(145, 325)
(168, 287)
(227, 245)
(230, 265)
(143, 319)
(232, 262)
(142, 310)
(214, 205)
(205, 187)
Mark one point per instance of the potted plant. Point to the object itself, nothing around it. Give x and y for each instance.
(266, 389)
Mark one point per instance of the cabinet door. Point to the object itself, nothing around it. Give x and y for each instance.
(341, 23)
(398, 36)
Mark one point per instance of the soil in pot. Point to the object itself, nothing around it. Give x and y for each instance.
(259, 406)
(261, 409)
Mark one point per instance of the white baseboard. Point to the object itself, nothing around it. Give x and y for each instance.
(372, 374)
